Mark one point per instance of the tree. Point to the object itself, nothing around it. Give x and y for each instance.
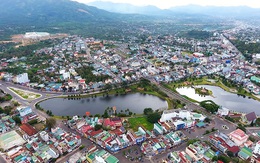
(105, 115)
(153, 117)
(230, 154)
(17, 119)
(148, 111)
(207, 120)
(50, 123)
(98, 127)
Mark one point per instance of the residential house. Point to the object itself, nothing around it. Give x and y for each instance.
(158, 129)
(223, 143)
(249, 118)
(28, 131)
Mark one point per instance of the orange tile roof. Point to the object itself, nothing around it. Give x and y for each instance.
(28, 129)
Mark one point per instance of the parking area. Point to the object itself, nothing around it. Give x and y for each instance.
(216, 123)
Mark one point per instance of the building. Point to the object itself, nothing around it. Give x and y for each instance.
(255, 79)
(10, 139)
(36, 35)
(183, 114)
(245, 153)
(249, 118)
(238, 137)
(24, 110)
(223, 111)
(28, 131)
(223, 143)
(21, 78)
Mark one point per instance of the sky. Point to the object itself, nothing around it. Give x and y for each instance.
(164, 4)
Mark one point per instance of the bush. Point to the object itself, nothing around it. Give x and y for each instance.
(34, 121)
(81, 147)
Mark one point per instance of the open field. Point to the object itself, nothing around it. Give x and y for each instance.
(134, 123)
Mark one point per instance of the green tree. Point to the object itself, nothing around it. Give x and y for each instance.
(148, 111)
(50, 123)
(17, 120)
(153, 117)
(230, 154)
(98, 127)
(105, 115)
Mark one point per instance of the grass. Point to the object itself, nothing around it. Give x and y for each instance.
(190, 99)
(39, 126)
(134, 123)
(25, 94)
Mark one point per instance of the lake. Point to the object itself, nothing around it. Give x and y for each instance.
(136, 102)
(224, 98)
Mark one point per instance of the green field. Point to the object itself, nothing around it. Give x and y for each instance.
(25, 94)
(134, 123)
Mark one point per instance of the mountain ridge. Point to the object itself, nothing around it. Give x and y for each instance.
(218, 11)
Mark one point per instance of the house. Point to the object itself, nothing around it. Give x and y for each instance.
(28, 131)
(245, 153)
(158, 129)
(238, 137)
(112, 123)
(174, 157)
(249, 118)
(139, 136)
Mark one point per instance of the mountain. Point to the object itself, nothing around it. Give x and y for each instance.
(220, 11)
(49, 12)
(128, 8)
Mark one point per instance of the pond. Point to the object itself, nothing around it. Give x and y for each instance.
(226, 99)
(136, 102)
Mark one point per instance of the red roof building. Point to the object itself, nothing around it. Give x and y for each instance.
(28, 129)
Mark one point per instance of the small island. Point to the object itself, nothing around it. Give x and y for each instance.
(203, 91)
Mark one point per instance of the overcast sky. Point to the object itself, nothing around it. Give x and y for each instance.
(170, 3)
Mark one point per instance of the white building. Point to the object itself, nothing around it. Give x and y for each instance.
(21, 78)
(35, 35)
(183, 114)
(66, 75)
(223, 111)
(44, 135)
(24, 110)
(257, 148)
